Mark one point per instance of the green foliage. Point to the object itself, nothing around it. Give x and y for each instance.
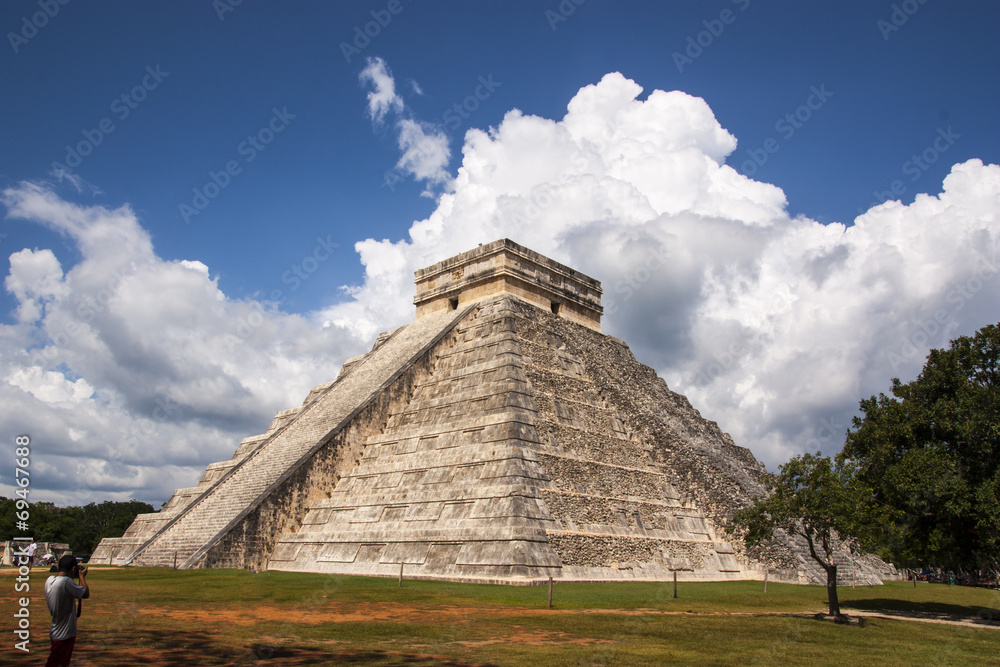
(818, 500)
(810, 497)
(931, 455)
(80, 527)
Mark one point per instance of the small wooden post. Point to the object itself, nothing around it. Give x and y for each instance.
(765, 581)
(400, 584)
(550, 592)
(175, 560)
(675, 583)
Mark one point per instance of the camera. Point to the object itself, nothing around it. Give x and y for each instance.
(70, 565)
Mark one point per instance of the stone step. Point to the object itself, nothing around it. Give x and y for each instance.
(243, 484)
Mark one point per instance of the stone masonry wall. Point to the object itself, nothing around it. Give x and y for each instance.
(618, 551)
(450, 487)
(250, 543)
(651, 458)
(207, 521)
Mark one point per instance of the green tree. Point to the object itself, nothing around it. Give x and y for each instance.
(49, 523)
(8, 509)
(817, 500)
(931, 455)
(80, 527)
(107, 519)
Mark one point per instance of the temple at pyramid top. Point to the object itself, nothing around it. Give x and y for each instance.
(504, 267)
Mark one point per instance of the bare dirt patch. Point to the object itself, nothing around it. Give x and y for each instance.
(334, 612)
(331, 613)
(538, 638)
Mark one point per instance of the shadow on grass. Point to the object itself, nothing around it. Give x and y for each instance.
(974, 613)
(176, 648)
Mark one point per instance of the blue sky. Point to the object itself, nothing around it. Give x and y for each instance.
(832, 102)
(325, 174)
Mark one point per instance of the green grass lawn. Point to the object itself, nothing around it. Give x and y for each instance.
(224, 617)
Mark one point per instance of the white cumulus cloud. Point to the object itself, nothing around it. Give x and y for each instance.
(130, 372)
(774, 326)
(425, 151)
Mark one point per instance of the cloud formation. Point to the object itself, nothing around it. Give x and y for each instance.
(382, 97)
(424, 146)
(772, 325)
(133, 372)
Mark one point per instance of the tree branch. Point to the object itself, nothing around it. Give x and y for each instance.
(812, 547)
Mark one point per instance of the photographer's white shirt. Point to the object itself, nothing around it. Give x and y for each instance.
(60, 594)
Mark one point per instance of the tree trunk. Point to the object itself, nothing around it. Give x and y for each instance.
(831, 590)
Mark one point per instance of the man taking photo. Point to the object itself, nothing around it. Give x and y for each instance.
(60, 593)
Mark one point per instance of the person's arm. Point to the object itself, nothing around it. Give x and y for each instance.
(83, 582)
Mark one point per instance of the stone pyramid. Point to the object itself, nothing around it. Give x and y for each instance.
(500, 437)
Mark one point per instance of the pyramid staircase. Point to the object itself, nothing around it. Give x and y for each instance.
(185, 535)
